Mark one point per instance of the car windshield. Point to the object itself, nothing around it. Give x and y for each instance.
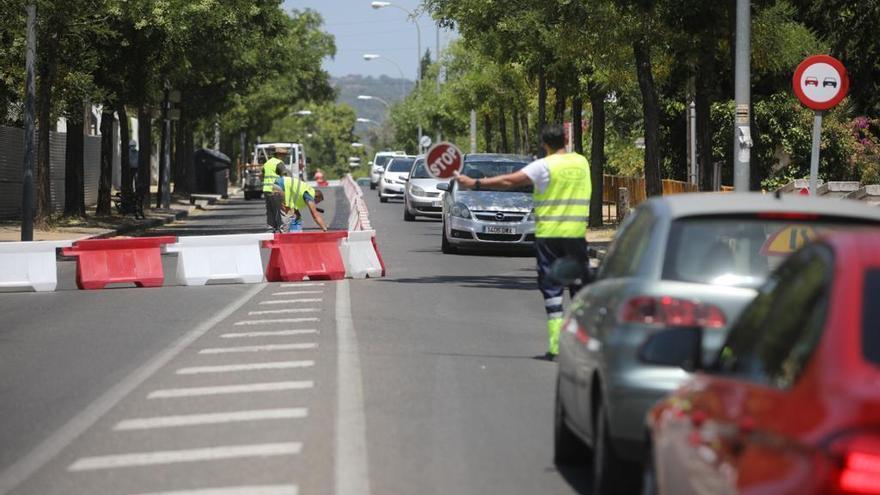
(419, 171)
(739, 251)
(400, 165)
(486, 169)
(381, 160)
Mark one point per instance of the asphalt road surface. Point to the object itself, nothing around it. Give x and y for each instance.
(422, 382)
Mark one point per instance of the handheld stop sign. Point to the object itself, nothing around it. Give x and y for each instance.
(443, 160)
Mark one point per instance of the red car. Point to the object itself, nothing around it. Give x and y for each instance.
(791, 403)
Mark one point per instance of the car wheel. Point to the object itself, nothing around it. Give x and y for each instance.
(372, 186)
(383, 199)
(407, 216)
(567, 447)
(610, 472)
(445, 246)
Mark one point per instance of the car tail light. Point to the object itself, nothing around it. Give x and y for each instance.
(860, 469)
(671, 312)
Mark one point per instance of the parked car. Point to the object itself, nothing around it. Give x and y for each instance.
(790, 404)
(377, 166)
(488, 218)
(421, 196)
(679, 261)
(394, 177)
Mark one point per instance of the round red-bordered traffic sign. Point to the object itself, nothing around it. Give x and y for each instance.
(820, 82)
(443, 160)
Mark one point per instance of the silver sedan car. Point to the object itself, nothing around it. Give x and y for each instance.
(488, 218)
(421, 196)
(691, 260)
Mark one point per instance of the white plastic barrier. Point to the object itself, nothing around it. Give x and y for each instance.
(359, 255)
(232, 258)
(30, 265)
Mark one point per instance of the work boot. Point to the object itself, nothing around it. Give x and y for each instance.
(554, 326)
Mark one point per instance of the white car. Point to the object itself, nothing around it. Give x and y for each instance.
(378, 165)
(421, 196)
(394, 178)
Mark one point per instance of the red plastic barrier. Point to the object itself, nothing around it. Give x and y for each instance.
(305, 254)
(101, 262)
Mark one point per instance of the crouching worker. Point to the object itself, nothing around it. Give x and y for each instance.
(296, 196)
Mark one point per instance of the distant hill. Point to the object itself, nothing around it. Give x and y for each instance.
(388, 88)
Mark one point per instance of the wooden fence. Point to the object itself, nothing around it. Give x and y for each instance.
(637, 195)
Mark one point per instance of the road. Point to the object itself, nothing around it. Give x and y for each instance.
(422, 382)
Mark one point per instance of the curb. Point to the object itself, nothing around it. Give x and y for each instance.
(157, 220)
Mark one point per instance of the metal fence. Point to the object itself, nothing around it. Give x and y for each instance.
(12, 162)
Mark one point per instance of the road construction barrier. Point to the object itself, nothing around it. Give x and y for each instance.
(30, 265)
(228, 258)
(360, 255)
(101, 262)
(837, 189)
(869, 194)
(313, 255)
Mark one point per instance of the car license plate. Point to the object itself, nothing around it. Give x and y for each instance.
(495, 229)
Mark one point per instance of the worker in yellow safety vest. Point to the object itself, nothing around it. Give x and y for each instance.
(296, 195)
(562, 190)
(270, 175)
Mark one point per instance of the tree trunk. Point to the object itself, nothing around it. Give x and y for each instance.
(105, 182)
(487, 132)
(502, 129)
(651, 112)
(126, 177)
(597, 155)
(517, 137)
(542, 108)
(704, 133)
(559, 108)
(74, 200)
(577, 124)
(188, 148)
(47, 72)
(179, 166)
(527, 139)
(145, 147)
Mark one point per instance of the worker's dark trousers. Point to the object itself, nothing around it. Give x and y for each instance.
(548, 250)
(273, 211)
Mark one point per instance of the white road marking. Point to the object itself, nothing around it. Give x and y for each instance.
(229, 368)
(352, 468)
(292, 301)
(210, 419)
(304, 284)
(29, 463)
(236, 490)
(179, 456)
(260, 348)
(284, 311)
(278, 333)
(173, 393)
(273, 321)
(297, 293)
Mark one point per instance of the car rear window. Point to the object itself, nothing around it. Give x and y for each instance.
(871, 316)
(740, 251)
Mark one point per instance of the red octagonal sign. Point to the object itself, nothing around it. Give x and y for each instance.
(820, 82)
(443, 160)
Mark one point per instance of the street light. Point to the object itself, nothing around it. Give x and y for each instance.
(362, 120)
(357, 145)
(380, 100)
(303, 112)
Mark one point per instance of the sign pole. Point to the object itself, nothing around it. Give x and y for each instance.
(742, 139)
(814, 159)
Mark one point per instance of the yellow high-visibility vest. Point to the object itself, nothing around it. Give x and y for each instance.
(269, 174)
(293, 193)
(563, 210)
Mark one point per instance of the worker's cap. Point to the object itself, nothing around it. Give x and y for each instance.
(281, 151)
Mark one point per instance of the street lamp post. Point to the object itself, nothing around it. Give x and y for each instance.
(376, 98)
(362, 120)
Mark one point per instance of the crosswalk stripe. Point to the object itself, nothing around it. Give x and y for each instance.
(260, 348)
(284, 311)
(236, 490)
(174, 393)
(228, 368)
(292, 301)
(297, 293)
(277, 333)
(210, 419)
(179, 456)
(273, 321)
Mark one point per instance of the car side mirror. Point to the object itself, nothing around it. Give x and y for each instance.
(380, 170)
(370, 163)
(567, 271)
(677, 347)
(443, 186)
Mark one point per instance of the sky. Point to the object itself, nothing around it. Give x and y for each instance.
(360, 29)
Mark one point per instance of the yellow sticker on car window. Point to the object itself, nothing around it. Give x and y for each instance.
(788, 239)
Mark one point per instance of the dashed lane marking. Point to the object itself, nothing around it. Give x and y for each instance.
(284, 311)
(210, 419)
(31, 462)
(174, 393)
(181, 456)
(273, 321)
(303, 284)
(297, 293)
(292, 301)
(260, 348)
(230, 368)
(236, 490)
(277, 333)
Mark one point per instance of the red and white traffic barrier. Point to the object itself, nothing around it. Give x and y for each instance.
(30, 265)
(230, 258)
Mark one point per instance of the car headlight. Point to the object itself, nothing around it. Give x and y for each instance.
(416, 190)
(461, 211)
(531, 217)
